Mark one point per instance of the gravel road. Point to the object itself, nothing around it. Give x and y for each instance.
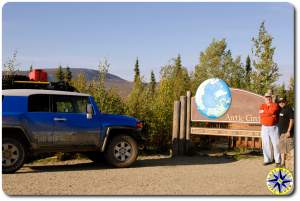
(159, 175)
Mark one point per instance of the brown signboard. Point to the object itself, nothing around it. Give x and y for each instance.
(243, 109)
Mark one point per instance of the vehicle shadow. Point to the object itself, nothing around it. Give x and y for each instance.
(141, 163)
(183, 160)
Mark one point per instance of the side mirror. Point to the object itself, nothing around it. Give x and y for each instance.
(89, 111)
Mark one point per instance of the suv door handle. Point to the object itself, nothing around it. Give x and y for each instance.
(59, 119)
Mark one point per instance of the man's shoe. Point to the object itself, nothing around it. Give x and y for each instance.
(278, 165)
(267, 163)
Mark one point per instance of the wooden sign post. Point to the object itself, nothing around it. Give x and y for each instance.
(175, 132)
(188, 121)
(182, 129)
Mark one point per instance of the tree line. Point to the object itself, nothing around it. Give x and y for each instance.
(152, 102)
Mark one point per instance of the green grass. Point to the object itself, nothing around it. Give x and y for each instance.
(45, 160)
(243, 153)
(59, 157)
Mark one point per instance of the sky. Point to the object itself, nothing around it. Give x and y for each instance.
(81, 34)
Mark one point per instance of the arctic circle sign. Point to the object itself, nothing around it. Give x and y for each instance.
(243, 108)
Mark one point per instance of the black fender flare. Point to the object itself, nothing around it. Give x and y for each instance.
(25, 134)
(134, 132)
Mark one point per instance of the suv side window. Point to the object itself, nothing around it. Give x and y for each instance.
(70, 104)
(39, 103)
(81, 103)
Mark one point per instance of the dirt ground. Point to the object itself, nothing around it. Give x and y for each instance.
(155, 175)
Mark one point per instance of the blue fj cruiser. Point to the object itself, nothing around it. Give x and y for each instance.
(45, 121)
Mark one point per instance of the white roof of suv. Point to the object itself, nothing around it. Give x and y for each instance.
(28, 92)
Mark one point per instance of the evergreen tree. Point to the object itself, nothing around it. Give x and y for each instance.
(135, 102)
(248, 70)
(182, 83)
(136, 71)
(177, 62)
(59, 74)
(30, 68)
(265, 72)
(68, 75)
(152, 82)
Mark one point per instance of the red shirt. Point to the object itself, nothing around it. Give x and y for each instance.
(269, 114)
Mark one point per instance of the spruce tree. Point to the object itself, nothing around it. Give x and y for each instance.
(134, 101)
(152, 82)
(177, 62)
(136, 71)
(68, 75)
(59, 74)
(30, 68)
(248, 70)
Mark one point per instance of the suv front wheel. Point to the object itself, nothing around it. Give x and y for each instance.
(13, 155)
(122, 151)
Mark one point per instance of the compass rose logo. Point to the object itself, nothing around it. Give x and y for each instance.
(280, 181)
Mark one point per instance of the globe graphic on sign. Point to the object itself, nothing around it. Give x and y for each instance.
(213, 98)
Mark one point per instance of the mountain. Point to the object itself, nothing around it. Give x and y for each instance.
(122, 86)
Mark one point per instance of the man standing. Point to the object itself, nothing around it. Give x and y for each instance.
(286, 131)
(269, 130)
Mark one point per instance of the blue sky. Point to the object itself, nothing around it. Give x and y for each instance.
(80, 34)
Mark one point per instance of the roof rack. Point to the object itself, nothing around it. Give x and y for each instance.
(26, 84)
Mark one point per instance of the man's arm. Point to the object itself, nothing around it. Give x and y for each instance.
(272, 110)
(291, 124)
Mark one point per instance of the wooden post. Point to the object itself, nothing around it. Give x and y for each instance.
(188, 122)
(240, 142)
(253, 143)
(182, 129)
(259, 143)
(175, 132)
(231, 142)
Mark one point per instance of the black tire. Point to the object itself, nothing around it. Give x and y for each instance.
(13, 155)
(97, 157)
(128, 154)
